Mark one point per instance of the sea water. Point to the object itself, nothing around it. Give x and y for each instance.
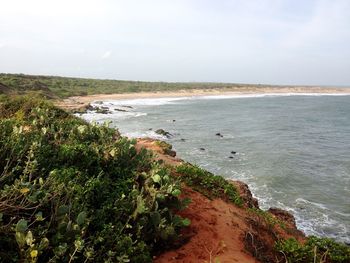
(292, 150)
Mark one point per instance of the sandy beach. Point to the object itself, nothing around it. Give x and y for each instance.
(82, 101)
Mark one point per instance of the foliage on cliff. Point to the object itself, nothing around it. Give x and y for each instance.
(315, 249)
(71, 191)
(210, 185)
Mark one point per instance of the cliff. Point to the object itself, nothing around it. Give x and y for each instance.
(221, 231)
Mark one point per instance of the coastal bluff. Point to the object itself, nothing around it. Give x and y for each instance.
(222, 231)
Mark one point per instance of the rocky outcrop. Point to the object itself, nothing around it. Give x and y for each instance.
(170, 152)
(102, 110)
(88, 107)
(246, 194)
(164, 133)
(283, 215)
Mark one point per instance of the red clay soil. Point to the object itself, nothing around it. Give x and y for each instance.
(222, 232)
(152, 145)
(217, 232)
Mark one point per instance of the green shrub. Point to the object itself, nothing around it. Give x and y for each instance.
(270, 220)
(208, 184)
(315, 249)
(164, 145)
(71, 191)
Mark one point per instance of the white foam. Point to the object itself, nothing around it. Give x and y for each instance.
(142, 102)
(150, 134)
(124, 103)
(93, 116)
(263, 95)
(311, 217)
(302, 200)
(168, 100)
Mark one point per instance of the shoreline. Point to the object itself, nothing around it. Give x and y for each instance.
(198, 212)
(156, 95)
(76, 102)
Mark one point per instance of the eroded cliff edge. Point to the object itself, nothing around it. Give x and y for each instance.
(221, 230)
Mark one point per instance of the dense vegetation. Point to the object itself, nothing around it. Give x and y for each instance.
(210, 185)
(315, 249)
(62, 87)
(70, 191)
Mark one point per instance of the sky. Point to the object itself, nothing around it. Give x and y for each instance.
(302, 42)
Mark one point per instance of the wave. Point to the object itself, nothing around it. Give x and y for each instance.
(171, 100)
(264, 95)
(140, 102)
(311, 217)
(145, 134)
(100, 117)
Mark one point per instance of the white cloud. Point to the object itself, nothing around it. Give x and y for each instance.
(106, 55)
(180, 40)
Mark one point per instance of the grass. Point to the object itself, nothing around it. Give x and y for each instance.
(315, 249)
(270, 220)
(212, 186)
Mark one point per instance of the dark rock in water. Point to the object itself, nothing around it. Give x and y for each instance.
(102, 111)
(183, 140)
(202, 149)
(231, 157)
(160, 131)
(82, 110)
(164, 133)
(246, 194)
(120, 110)
(150, 129)
(127, 106)
(219, 134)
(90, 107)
(233, 152)
(174, 120)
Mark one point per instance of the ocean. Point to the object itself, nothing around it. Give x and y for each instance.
(292, 150)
